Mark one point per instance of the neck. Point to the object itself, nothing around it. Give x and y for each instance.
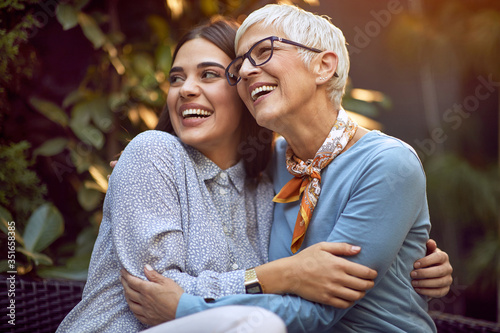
(305, 136)
(224, 157)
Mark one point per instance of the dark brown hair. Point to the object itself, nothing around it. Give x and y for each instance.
(256, 143)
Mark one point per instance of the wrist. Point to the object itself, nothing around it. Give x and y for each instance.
(275, 276)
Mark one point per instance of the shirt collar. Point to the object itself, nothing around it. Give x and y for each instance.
(237, 175)
(208, 170)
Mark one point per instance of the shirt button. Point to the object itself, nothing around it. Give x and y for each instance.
(235, 266)
(222, 191)
(223, 176)
(225, 229)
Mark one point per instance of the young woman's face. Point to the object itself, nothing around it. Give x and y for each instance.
(204, 109)
(278, 91)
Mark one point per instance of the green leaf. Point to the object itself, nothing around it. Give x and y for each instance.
(6, 224)
(79, 4)
(91, 30)
(85, 242)
(361, 107)
(63, 273)
(79, 262)
(5, 214)
(44, 226)
(117, 99)
(89, 199)
(50, 110)
(74, 97)
(4, 266)
(67, 16)
(80, 114)
(97, 109)
(81, 159)
(159, 26)
(101, 113)
(38, 258)
(143, 64)
(163, 57)
(386, 103)
(116, 37)
(89, 134)
(51, 147)
(76, 268)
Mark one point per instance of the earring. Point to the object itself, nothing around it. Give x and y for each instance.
(322, 78)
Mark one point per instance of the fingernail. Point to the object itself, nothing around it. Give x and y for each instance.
(355, 248)
(148, 267)
(414, 283)
(417, 264)
(413, 274)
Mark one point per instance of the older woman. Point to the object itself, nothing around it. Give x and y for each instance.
(336, 182)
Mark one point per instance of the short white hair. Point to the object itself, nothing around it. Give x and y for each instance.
(309, 29)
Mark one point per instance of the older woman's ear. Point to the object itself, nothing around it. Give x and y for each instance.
(325, 66)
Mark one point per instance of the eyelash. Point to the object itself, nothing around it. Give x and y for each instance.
(173, 79)
(211, 72)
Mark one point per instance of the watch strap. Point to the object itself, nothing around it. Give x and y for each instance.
(252, 283)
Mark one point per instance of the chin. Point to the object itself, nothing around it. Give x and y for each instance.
(192, 140)
(268, 120)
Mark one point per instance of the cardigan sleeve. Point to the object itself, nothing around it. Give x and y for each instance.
(386, 211)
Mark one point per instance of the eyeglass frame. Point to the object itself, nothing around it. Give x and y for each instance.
(272, 39)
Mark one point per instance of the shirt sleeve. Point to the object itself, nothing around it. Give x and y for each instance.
(299, 315)
(378, 216)
(146, 217)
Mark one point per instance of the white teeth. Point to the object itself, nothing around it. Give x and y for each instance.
(260, 89)
(195, 112)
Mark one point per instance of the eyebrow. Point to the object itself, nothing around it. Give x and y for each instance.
(200, 65)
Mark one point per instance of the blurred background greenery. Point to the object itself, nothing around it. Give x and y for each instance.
(80, 78)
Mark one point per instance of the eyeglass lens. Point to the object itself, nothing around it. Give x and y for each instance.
(259, 54)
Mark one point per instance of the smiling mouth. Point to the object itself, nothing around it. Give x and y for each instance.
(261, 91)
(196, 113)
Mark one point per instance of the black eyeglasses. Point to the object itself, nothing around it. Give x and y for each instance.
(259, 54)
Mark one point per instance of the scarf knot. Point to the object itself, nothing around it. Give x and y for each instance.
(307, 175)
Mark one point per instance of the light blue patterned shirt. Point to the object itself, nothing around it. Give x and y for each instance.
(169, 206)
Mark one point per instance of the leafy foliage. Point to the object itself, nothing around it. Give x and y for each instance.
(44, 226)
(121, 92)
(14, 34)
(21, 190)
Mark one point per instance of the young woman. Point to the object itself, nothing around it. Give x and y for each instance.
(336, 182)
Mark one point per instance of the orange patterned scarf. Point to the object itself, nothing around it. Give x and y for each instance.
(307, 175)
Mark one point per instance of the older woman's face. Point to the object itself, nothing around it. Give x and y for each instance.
(278, 91)
(205, 110)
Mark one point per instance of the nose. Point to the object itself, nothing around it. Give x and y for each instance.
(247, 69)
(189, 88)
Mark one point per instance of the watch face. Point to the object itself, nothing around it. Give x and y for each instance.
(254, 288)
